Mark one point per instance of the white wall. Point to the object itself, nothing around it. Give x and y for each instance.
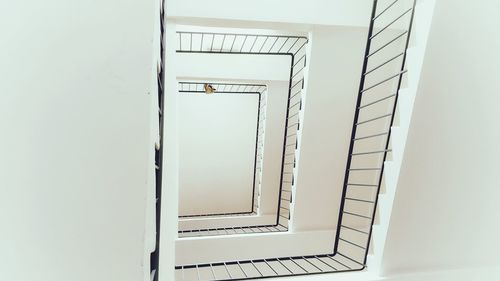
(277, 95)
(247, 69)
(170, 187)
(482, 273)
(194, 223)
(331, 87)
(217, 135)
(252, 246)
(74, 121)
(233, 66)
(446, 211)
(275, 14)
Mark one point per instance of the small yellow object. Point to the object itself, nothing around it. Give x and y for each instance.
(209, 89)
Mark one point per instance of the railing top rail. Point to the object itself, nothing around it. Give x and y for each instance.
(239, 43)
(228, 88)
(243, 34)
(227, 84)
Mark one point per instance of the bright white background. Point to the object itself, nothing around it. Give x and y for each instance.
(216, 152)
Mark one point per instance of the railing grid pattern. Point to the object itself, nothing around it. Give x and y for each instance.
(259, 44)
(383, 75)
(235, 88)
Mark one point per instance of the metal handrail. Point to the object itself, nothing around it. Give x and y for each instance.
(155, 255)
(186, 87)
(252, 43)
(348, 255)
(260, 44)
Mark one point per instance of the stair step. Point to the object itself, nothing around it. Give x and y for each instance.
(405, 104)
(413, 66)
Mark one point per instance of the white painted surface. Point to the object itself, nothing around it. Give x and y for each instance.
(277, 93)
(329, 106)
(154, 140)
(225, 221)
(170, 187)
(252, 246)
(217, 135)
(399, 131)
(278, 14)
(233, 66)
(481, 273)
(446, 212)
(74, 145)
(334, 68)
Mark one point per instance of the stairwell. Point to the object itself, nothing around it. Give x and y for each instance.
(322, 225)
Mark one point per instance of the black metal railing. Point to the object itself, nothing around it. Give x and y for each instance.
(229, 230)
(235, 88)
(222, 88)
(383, 75)
(160, 76)
(238, 43)
(259, 44)
(266, 268)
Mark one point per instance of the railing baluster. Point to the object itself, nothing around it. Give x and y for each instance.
(212, 44)
(392, 22)
(222, 45)
(344, 265)
(241, 268)
(339, 257)
(351, 243)
(383, 81)
(340, 254)
(298, 265)
(374, 119)
(270, 49)
(201, 45)
(354, 229)
(293, 45)
(213, 272)
(384, 63)
(330, 266)
(384, 10)
(284, 43)
(243, 44)
(302, 46)
(232, 45)
(262, 275)
(371, 152)
(254, 41)
(387, 44)
(315, 266)
(271, 267)
(357, 215)
(263, 44)
(227, 270)
(180, 41)
(286, 267)
(377, 101)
